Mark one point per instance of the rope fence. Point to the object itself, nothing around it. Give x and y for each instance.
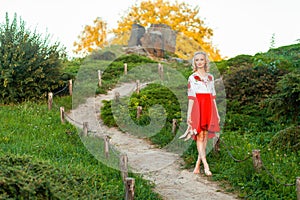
(123, 159)
(230, 154)
(258, 164)
(129, 182)
(62, 90)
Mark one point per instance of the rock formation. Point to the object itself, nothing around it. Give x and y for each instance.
(156, 41)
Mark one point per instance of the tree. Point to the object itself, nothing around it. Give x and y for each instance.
(192, 35)
(92, 37)
(29, 65)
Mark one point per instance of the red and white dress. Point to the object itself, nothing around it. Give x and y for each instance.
(204, 114)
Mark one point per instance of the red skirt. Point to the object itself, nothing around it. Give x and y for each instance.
(204, 116)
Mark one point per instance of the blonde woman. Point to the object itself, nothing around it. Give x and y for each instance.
(202, 116)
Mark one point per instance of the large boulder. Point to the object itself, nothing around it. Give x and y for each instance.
(137, 32)
(153, 43)
(158, 39)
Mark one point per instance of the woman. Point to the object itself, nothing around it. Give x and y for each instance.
(202, 116)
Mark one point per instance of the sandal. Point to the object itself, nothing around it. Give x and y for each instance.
(186, 133)
(190, 134)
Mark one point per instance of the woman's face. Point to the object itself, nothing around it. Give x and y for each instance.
(200, 61)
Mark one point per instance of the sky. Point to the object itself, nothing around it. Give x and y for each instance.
(239, 26)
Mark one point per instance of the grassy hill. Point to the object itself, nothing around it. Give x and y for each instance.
(40, 158)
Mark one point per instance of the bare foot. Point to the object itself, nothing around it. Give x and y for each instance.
(196, 170)
(197, 167)
(207, 172)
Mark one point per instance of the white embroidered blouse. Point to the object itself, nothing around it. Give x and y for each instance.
(201, 85)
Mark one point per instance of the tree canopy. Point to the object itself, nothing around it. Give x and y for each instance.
(92, 37)
(192, 33)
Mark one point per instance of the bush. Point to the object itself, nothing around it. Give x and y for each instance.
(106, 114)
(251, 84)
(30, 66)
(287, 139)
(23, 177)
(285, 104)
(134, 58)
(107, 55)
(151, 95)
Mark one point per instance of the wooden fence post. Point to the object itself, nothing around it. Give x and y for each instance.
(99, 78)
(62, 114)
(106, 145)
(117, 96)
(137, 86)
(257, 163)
(70, 87)
(158, 68)
(129, 188)
(298, 187)
(125, 68)
(161, 71)
(124, 167)
(50, 100)
(217, 145)
(139, 112)
(174, 124)
(85, 128)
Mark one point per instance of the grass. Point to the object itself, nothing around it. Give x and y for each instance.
(280, 168)
(36, 148)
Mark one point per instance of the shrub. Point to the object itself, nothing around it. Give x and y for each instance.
(107, 55)
(248, 85)
(134, 58)
(287, 139)
(106, 114)
(23, 177)
(285, 104)
(29, 65)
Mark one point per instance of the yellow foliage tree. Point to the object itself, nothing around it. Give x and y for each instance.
(92, 37)
(192, 35)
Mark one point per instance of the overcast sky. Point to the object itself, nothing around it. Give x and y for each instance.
(240, 27)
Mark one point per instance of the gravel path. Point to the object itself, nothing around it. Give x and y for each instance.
(161, 167)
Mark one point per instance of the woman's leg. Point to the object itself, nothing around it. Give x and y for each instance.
(203, 150)
(199, 144)
(199, 147)
(197, 166)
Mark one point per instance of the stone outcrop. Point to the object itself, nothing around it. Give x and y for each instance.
(137, 32)
(157, 40)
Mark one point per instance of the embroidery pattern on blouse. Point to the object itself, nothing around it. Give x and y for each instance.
(205, 80)
(198, 84)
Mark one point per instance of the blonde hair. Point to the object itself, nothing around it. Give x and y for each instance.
(206, 67)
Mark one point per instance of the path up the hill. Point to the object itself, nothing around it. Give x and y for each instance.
(163, 168)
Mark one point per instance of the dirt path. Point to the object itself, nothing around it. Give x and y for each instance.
(163, 168)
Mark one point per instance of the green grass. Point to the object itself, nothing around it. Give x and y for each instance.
(35, 148)
(280, 168)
